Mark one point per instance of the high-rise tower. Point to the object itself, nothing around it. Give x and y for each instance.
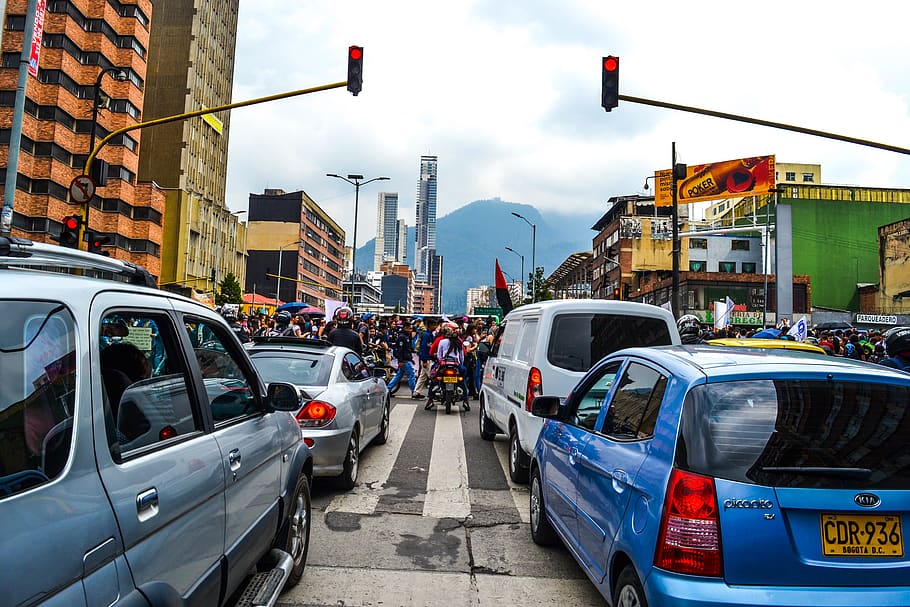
(386, 229)
(425, 246)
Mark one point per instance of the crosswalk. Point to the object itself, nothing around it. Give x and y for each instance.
(433, 466)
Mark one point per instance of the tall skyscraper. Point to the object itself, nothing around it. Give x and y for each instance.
(190, 67)
(425, 246)
(402, 255)
(386, 229)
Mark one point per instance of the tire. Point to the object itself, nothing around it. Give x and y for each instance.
(448, 397)
(348, 477)
(299, 521)
(541, 530)
(384, 428)
(486, 433)
(518, 459)
(628, 591)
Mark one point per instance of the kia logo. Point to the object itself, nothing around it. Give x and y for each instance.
(867, 500)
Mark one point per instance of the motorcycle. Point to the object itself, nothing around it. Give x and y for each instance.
(448, 387)
(374, 357)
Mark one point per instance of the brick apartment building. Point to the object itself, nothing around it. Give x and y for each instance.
(85, 42)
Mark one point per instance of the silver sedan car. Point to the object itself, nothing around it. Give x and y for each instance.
(345, 405)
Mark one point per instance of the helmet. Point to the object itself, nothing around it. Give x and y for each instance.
(229, 314)
(283, 317)
(689, 327)
(897, 340)
(366, 316)
(344, 316)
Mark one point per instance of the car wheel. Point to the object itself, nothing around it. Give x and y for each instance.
(518, 459)
(628, 591)
(348, 477)
(298, 542)
(486, 430)
(384, 430)
(541, 530)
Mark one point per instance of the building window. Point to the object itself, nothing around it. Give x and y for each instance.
(726, 266)
(740, 245)
(698, 243)
(698, 266)
(808, 177)
(791, 176)
(748, 267)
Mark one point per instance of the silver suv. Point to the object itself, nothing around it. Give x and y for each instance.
(142, 460)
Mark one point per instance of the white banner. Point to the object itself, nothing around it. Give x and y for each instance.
(330, 306)
(799, 330)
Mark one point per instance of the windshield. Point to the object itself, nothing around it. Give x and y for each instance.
(793, 433)
(297, 369)
(37, 392)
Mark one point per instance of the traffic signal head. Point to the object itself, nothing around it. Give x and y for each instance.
(616, 293)
(355, 69)
(609, 96)
(69, 231)
(96, 241)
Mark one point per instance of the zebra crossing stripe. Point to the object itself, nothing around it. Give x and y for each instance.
(447, 482)
(375, 466)
(520, 494)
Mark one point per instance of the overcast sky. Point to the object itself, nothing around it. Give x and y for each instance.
(507, 95)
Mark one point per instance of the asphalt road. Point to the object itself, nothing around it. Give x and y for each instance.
(433, 520)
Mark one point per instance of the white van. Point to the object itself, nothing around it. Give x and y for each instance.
(545, 348)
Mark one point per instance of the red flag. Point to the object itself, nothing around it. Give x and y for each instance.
(502, 291)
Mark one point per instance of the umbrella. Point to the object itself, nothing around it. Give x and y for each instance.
(768, 334)
(300, 307)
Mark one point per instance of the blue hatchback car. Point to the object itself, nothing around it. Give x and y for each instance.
(694, 475)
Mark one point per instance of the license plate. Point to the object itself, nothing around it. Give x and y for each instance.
(449, 380)
(862, 535)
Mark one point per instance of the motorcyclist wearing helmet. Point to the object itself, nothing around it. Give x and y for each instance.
(690, 331)
(343, 334)
(284, 326)
(897, 345)
(230, 315)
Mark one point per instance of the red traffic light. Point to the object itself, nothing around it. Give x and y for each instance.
(611, 64)
(71, 223)
(355, 52)
(355, 69)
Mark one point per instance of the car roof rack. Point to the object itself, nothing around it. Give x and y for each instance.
(20, 252)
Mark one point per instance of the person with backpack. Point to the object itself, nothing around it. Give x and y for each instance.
(403, 351)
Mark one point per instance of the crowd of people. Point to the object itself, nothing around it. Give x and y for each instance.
(411, 344)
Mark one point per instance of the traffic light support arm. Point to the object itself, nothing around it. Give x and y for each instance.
(759, 121)
(211, 110)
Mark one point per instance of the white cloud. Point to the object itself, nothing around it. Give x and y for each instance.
(508, 96)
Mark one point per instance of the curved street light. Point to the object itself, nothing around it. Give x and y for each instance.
(522, 281)
(356, 181)
(533, 255)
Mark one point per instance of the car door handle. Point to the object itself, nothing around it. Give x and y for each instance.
(234, 459)
(573, 454)
(147, 504)
(620, 480)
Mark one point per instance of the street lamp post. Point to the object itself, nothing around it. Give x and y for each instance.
(522, 269)
(117, 74)
(356, 181)
(280, 254)
(533, 255)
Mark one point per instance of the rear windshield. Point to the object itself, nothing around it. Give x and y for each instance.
(37, 392)
(792, 433)
(577, 341)
(297, 369)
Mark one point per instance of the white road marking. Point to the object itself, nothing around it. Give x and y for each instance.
(520, 494)
(375, 466)
(447, 480)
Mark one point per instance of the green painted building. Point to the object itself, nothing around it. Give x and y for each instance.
(835, 235)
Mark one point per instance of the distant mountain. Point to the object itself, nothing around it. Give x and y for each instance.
(472, 237)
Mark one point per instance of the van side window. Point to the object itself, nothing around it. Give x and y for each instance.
(497, 339)
(527, 340)
(509, 337)
(147, 400)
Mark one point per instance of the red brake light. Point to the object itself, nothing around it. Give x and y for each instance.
(534, 389)
(316, 413)
(689, 540)
(449, 371)
(167, 432)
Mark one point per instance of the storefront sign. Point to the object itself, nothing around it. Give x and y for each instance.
(876, 319)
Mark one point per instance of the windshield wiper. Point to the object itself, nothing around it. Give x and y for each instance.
(820, 471)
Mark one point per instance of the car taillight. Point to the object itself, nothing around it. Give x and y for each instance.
(689, 540)
(534, 387)
(316, 413)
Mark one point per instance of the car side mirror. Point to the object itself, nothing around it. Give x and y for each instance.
(283, 397)
(546, 406)
(379, 372)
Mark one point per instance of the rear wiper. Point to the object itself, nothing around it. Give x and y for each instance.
(820, 471)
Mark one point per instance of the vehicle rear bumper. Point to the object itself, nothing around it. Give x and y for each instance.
(328, 450)
(664, 588)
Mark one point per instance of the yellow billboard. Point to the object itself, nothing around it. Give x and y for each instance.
(716, 181)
